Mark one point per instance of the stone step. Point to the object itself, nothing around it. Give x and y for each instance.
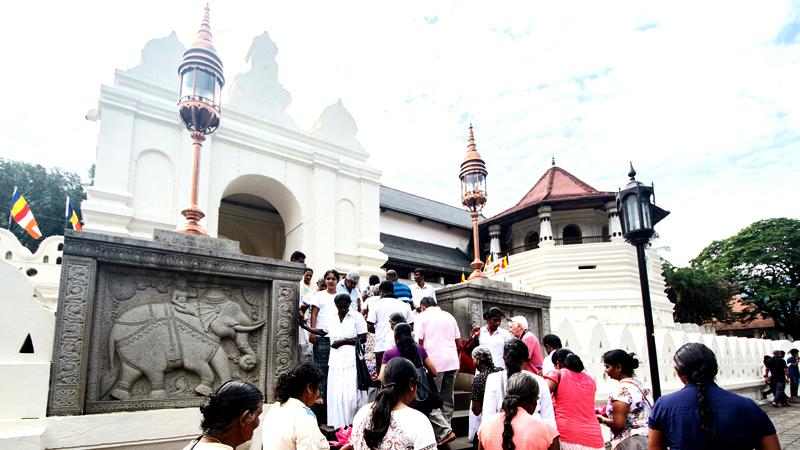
(460, 423)
(461, 443)
(461, 400)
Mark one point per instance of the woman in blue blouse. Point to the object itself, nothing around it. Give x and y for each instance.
(702, 415)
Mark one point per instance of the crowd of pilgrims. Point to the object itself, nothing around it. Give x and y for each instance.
(522, 397)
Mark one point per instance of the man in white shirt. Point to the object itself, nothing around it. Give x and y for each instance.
(419, 290)
(349, 286)
(378, 320)
(437, 331)
(551, 343)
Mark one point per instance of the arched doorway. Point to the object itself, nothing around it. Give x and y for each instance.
(531, 241)
(571, 235)
(262, 215)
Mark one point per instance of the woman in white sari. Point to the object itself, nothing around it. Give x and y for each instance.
(344, 330)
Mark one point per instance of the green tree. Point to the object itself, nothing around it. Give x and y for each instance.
(763, 263)
(698, 295)
(46, 192)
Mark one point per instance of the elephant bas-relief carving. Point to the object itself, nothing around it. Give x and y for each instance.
(154, 338)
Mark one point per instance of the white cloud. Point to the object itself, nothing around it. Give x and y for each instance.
(703, 96)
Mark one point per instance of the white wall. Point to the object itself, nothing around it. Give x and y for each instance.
(24, 377)
(46, 264)
(404, 225)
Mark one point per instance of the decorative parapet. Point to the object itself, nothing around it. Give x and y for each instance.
(467, 302)
(158, 324)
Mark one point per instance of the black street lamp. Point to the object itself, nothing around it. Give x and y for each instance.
(638, 215)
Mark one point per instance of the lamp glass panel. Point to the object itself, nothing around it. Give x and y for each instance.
(630, 206)
(647, 221)
(187, 83)
(472, 182)
(205, 85)
(481, 183)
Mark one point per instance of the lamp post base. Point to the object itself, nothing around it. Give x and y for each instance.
(477, 273)
(192, 224)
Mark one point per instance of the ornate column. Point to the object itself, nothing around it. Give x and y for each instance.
(545, 230)
(614, 228)
(494, 240)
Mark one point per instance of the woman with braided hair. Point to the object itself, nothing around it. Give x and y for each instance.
(704, 416)
(516, 426)
(389, 423)
(515, 356)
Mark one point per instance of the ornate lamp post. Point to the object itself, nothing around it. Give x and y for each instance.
(473, 196)
(201, 86)
(638, 215)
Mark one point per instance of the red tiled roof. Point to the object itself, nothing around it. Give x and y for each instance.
(738, 306)
(555, 185)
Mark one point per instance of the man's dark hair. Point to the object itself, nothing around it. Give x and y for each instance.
(419, 271)
(552, 340)
(373, 280)
(297, 255)
(386, 287)
(427, 302)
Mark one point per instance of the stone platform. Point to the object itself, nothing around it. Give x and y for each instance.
(155, 324)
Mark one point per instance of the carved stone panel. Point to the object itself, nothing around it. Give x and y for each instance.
(134, 332)
(283, 342)
(68, 369)
(165, 339)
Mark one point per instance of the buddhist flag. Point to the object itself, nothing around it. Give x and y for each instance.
(488, 260)
(463, 278)
(504, 262)
(23, 215)
(72, 217)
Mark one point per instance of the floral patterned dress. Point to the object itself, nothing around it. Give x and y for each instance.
(640, 399)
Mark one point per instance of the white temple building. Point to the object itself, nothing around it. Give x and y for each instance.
(275, 188)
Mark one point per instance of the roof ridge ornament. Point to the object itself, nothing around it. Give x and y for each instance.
(553, 160)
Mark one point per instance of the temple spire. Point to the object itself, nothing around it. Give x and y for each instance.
(204, 33)
(471, 147)
(553, 160)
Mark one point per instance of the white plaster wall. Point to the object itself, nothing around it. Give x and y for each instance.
(46, 262)
(609, 292)
(24, 377)
(403, 225)
(739, 359)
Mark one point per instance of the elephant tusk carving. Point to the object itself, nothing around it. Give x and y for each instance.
(248, 328)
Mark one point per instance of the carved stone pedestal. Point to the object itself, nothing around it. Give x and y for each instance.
(161, 323)
(468, 301)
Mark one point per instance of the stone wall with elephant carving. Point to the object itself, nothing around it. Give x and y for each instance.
(162, 323)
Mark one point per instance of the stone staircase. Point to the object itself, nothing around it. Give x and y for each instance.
(460, 423)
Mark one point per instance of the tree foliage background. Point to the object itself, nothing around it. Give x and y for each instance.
(699, 295)
(46, 192)
(762, 262)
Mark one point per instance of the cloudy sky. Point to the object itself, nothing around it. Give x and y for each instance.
(704, 97)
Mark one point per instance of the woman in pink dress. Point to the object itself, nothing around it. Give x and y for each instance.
(516, 426)
(573, 401)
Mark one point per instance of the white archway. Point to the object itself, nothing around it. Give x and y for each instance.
(263, 215)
